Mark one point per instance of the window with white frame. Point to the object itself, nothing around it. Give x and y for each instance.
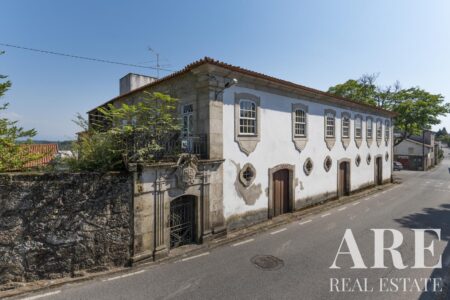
(379, 130)
(345, 126)
(300, 123)
(358, 127)
(329, 119)
(386, 130)
(369, 128)
(247, 117)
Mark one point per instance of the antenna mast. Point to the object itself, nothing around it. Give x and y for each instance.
(158, 66)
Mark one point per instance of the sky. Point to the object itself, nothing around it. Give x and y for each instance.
(313, 43)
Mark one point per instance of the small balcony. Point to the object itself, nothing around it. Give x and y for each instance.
(194, 145)
(172, 147)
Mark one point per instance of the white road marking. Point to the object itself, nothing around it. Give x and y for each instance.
(123, 276)
(195, 256)
(324, 215)
(356, 203)
(243, 242)
(302, 223)
(278, 231)
(342, 208)
(42, 295)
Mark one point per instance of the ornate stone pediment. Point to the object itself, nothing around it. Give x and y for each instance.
(186, 170)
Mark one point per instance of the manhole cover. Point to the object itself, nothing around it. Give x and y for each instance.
(267, 262)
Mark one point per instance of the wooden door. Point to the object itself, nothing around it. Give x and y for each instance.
(378, 171)
(281, 192)
(344, 179)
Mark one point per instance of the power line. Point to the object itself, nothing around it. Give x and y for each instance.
(84, 57)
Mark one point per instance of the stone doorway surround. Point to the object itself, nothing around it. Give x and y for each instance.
(348, 174)
(375, 170)
(155, 186)
(291, 169)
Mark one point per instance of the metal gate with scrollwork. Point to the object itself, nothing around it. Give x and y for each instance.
(182, 221)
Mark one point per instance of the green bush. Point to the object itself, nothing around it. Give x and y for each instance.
(129, 133)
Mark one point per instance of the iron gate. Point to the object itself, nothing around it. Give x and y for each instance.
(182, 221)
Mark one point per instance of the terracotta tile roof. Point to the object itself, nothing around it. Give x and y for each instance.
(48, 150)
(211, 61)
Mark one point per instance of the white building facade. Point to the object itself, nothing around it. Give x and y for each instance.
(308, 139)
(267, 147)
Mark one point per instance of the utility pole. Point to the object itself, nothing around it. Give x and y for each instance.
(423, 150)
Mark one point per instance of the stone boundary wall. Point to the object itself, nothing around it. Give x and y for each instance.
(56, 225)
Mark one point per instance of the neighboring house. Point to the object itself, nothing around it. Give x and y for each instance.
(417, 153)
(48, 152)
(271, 147)
(62, 154)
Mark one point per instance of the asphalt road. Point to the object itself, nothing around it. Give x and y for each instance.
(307, 249)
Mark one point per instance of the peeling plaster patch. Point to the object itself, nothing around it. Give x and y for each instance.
(246, 219)
(248, 194)
(301, 185)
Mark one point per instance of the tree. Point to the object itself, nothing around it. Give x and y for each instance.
(417, 109)
(13, 156)
(143, 129)
(146, 131)
(441, 133)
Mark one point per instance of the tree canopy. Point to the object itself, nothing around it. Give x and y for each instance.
(441, 133)
(417, 109)
(13, 156)
(128, 133)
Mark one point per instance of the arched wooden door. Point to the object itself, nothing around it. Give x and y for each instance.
(182, 221)
(281, 192)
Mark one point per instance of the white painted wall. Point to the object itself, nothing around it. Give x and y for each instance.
(276, 147)
(405, 145)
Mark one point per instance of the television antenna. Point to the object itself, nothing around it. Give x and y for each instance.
(158, 66)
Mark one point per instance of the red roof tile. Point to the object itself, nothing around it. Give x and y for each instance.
(208, 60)
(48, 150)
